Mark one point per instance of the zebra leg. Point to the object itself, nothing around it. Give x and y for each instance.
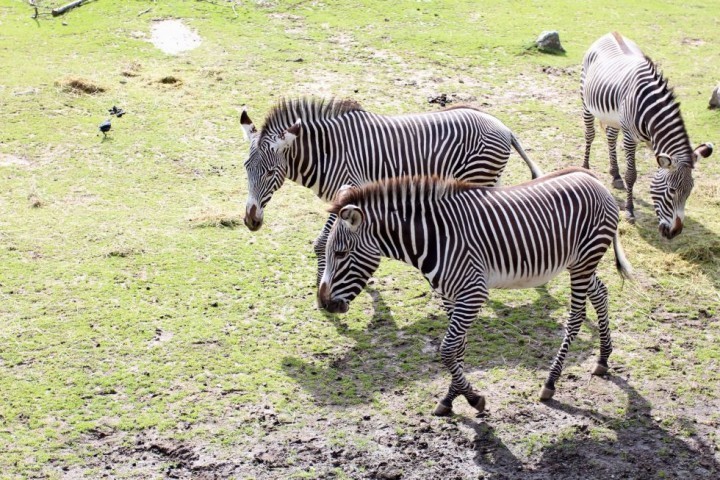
(612, 135)
(598, 295)
(448, 306)
(319, 246)
(579, 283)
(452, 352)
(589, 121)
(630, 176)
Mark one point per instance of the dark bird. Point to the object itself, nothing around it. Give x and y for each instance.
(105, 127)
(118, 112)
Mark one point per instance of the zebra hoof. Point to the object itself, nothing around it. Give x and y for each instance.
(478, 403)
(442, 410)
(546, 393)
(600, 370)
(630, 217)
(618, 184)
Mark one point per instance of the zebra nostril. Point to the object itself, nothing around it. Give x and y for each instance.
(677, 228)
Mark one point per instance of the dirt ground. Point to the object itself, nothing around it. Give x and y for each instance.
(460, 447)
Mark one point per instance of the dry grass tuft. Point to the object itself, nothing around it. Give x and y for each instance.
(131, 70)
(123, 252)
(701, 252)
(35, 200)
(80, 85)
(216, 220)
(170, 80)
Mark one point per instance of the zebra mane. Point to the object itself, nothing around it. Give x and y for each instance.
(668, 92)
(658, 75)
(432, 187)
(287, 111)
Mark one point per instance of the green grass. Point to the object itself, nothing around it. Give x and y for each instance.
(133, 299)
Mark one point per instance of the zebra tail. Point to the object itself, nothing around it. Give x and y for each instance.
(621, 262)
(536, 172)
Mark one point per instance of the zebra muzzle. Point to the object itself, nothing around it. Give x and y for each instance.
(671, 232)
(252, 222)
(329, 305)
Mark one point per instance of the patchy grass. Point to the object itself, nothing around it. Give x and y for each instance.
(137, 344)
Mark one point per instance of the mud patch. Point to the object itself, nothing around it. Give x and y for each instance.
(173, 37)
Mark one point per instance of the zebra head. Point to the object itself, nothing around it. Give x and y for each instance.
(352, 256)
(266, 167)
(671, 187)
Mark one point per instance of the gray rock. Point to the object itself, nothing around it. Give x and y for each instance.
(549, 41)
(715, 98)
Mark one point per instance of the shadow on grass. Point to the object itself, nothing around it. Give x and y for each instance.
(696, 244)
(386, 358)
(639, 448)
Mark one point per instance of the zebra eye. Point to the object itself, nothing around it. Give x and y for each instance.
(340, 254)
(269, 174)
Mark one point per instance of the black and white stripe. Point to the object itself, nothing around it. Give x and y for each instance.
(325, 145)
(467, 239)
(623, 88)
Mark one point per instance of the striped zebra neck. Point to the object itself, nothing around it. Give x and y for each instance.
(398, 207)
(659, 116)
(305, 163)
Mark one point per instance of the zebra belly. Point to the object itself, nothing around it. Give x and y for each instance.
(611, 119)
(505, 280)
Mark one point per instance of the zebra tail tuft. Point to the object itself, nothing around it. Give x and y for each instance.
(621, 262)
(534, 169)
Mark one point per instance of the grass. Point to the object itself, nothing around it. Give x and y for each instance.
(129, 309)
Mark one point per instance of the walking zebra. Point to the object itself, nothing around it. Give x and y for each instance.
(467, 239)
(325, 145)
(625, 91)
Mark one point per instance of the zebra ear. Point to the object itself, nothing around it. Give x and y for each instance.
(286, 138)
(352, 216)
(664, 161)
(247, 125)
(703, 151)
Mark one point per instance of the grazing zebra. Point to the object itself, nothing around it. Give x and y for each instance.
(325, 145)
(467, 239)
(625, 91)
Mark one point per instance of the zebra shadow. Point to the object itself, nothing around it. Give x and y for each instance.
(696, 244)
(638, 446)
(386, 358)
(634, 445)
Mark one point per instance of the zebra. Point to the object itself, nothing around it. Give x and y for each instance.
(327, 144)
(467, 239)
(624, 89)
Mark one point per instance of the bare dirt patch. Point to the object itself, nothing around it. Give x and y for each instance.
(598, 430)
(173, 37)
(693, 42)
(8, 160)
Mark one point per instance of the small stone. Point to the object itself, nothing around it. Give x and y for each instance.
(390, 474)
(715, 98)
(549, 41)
